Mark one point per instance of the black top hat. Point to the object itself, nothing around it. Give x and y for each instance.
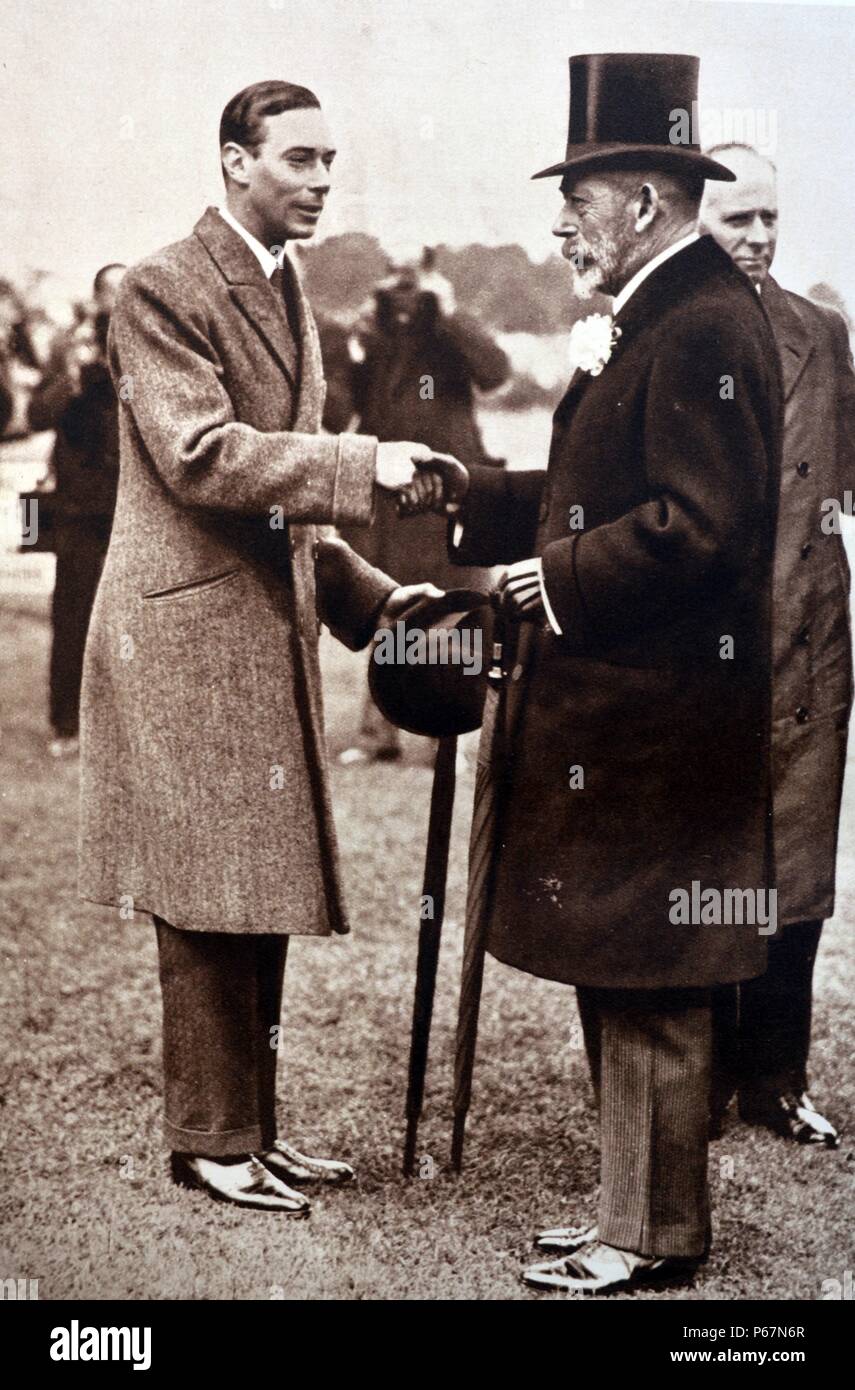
(629, 109)
(410, 682)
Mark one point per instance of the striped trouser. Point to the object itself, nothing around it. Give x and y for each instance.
(650, 1053)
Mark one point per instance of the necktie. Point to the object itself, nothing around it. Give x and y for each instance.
(284, 291)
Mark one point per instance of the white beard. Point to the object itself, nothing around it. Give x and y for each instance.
(586, 282)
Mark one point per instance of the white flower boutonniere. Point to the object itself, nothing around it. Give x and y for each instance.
(591, 342)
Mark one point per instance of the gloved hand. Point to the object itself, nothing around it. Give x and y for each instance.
(440, 484)
(521, 591)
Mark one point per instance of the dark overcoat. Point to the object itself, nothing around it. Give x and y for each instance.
(204, 795)
(812, 659)
(658, 691)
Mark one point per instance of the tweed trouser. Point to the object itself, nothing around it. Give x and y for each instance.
(650, 1055)
(222, 996)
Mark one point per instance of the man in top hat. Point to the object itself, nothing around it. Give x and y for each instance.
(204, 793)
(637, 705)
(764, 1035)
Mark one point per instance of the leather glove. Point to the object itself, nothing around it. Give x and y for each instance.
(440, 485)
(520, 589)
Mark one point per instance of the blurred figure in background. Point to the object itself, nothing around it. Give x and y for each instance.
(335, 337)
(417, 360)
(76, 398)
(18, 363)
(763, 1025)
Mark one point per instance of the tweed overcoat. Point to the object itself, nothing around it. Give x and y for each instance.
(812, 659)
(638, 741)
(204, 795)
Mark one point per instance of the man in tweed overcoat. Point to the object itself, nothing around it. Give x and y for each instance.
(204, 791)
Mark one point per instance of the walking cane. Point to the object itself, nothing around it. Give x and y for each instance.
(482, 873)
(430, 932)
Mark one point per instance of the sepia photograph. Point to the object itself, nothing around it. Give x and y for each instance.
(427, 471)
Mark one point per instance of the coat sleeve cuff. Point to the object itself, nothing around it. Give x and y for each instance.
(548, 609)
(356, 470)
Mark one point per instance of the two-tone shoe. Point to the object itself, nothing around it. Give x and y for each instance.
(299, 1170)
(597, 1268)
(791, 1114)
(564, 1240)
(244, 1183)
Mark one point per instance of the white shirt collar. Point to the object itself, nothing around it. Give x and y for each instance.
(632, 285)
(265, 258)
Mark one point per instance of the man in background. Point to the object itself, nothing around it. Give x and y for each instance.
(763, 1025)
(19, 362)
(77, 399)
(418, 362)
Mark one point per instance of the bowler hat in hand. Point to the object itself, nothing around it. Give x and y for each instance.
(428, 669)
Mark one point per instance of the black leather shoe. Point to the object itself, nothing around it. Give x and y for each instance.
(290, 1166)
(790, 1114)
(245, 1183)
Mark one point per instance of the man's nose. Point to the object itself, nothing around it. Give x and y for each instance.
(565, 225)
(758, 232)
(320, 178)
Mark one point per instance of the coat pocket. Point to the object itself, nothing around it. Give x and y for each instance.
(192, 586)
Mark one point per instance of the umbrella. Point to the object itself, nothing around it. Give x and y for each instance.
(482, 870)
(430, 932)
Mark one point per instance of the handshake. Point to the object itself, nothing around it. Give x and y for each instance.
(423, 480)
(428, 482)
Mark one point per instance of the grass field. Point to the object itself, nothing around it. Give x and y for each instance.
(87, 1206)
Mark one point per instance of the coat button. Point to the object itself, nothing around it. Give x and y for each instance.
(803, 468)
(802, 715)
(516, 674)
(806, 549)
(803, 636)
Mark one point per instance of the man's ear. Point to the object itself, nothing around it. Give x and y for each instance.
(646, 206)
(235, 160)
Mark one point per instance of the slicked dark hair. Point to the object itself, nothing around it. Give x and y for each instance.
(243, 117)
(104, 272)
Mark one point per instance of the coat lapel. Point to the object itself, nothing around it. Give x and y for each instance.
(310, 391)
(250, 290)
(794, 342)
